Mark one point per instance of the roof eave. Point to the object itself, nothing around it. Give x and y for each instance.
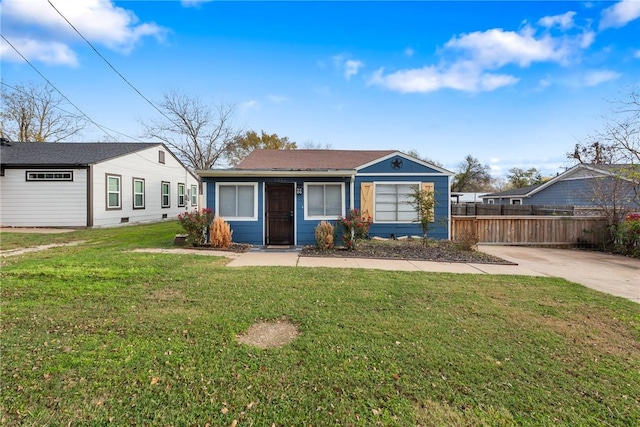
(220, 173)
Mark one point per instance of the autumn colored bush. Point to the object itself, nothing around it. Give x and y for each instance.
(195, 224)
(354, 228)
(629, 235)
(324, 235)
(467, 240)
(220, 233)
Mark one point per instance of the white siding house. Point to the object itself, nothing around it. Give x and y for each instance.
(92, 184)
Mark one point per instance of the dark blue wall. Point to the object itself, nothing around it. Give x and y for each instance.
(439, 228)
(253, 231)
(573, 192)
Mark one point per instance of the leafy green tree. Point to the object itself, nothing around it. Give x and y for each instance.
(423, 202)
(250, 140)
(519, 178)
(472, 176)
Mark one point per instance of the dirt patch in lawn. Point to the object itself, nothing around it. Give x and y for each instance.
(269, 334)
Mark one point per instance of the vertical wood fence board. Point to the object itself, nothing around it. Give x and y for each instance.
(540, 230)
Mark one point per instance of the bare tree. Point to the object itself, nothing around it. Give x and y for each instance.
(199, 134)
(613, 157)
(33, 113)
(619, 140)
(417, 155)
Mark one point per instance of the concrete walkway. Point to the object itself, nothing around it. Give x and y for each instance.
(293, 259)
(612, 274)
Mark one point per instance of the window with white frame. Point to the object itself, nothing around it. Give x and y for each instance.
(138, 193)
(114, 192)
(237, 201)
(392, 202)
(182, 198)
(194, 195)
(516, 201)
(166, 194)
(323, 200)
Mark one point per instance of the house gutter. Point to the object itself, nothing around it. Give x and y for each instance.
(220, 173)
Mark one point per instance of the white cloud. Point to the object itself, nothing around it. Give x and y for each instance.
(470, 61)
(462, 76)
(249, 105)
(277, 99)
(350, 67)
(564, 21)
(194, 3)
(620, 14)
(409, 52)
(594, 78)
(496, 47)
(50, 53)
(100, 21)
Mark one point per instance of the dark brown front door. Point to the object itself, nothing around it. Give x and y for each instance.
(280, 214)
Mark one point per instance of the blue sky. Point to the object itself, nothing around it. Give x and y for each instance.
(515, 84)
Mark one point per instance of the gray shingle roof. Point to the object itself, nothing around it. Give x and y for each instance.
(514, 192)
(66, 153)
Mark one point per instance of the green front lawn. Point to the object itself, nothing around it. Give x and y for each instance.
(95, 334)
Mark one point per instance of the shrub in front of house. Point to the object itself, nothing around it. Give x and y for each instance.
(220, 233)
(466, 241)
(629, 235)
(354, 228)
(324, 235)
(195, 225)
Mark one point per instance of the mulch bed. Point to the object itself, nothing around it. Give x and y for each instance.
(235, 247)
(435, 250)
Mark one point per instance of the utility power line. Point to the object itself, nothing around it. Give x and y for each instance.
(56, 89)
(109, 64)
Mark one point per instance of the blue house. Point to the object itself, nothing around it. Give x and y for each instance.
(584, 186)
(278, 197)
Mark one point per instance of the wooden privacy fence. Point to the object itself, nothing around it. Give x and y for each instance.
(533, 230)
(478, 209)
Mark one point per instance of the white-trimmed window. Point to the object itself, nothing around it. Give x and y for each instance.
(194, 195)
(114, 191)
(516, 201)
(138, 193)
(392, 202)
(490, 201)
(323, 200)
(49, 175)
(182, 197)
(165, 194)
(237, 201)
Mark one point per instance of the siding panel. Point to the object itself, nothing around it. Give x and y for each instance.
(43, 203)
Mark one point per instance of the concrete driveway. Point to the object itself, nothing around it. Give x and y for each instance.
(613, 274)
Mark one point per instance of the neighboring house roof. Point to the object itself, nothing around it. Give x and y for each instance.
(514, 192)
(310, 159)
(66, 153)
(580, 171)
